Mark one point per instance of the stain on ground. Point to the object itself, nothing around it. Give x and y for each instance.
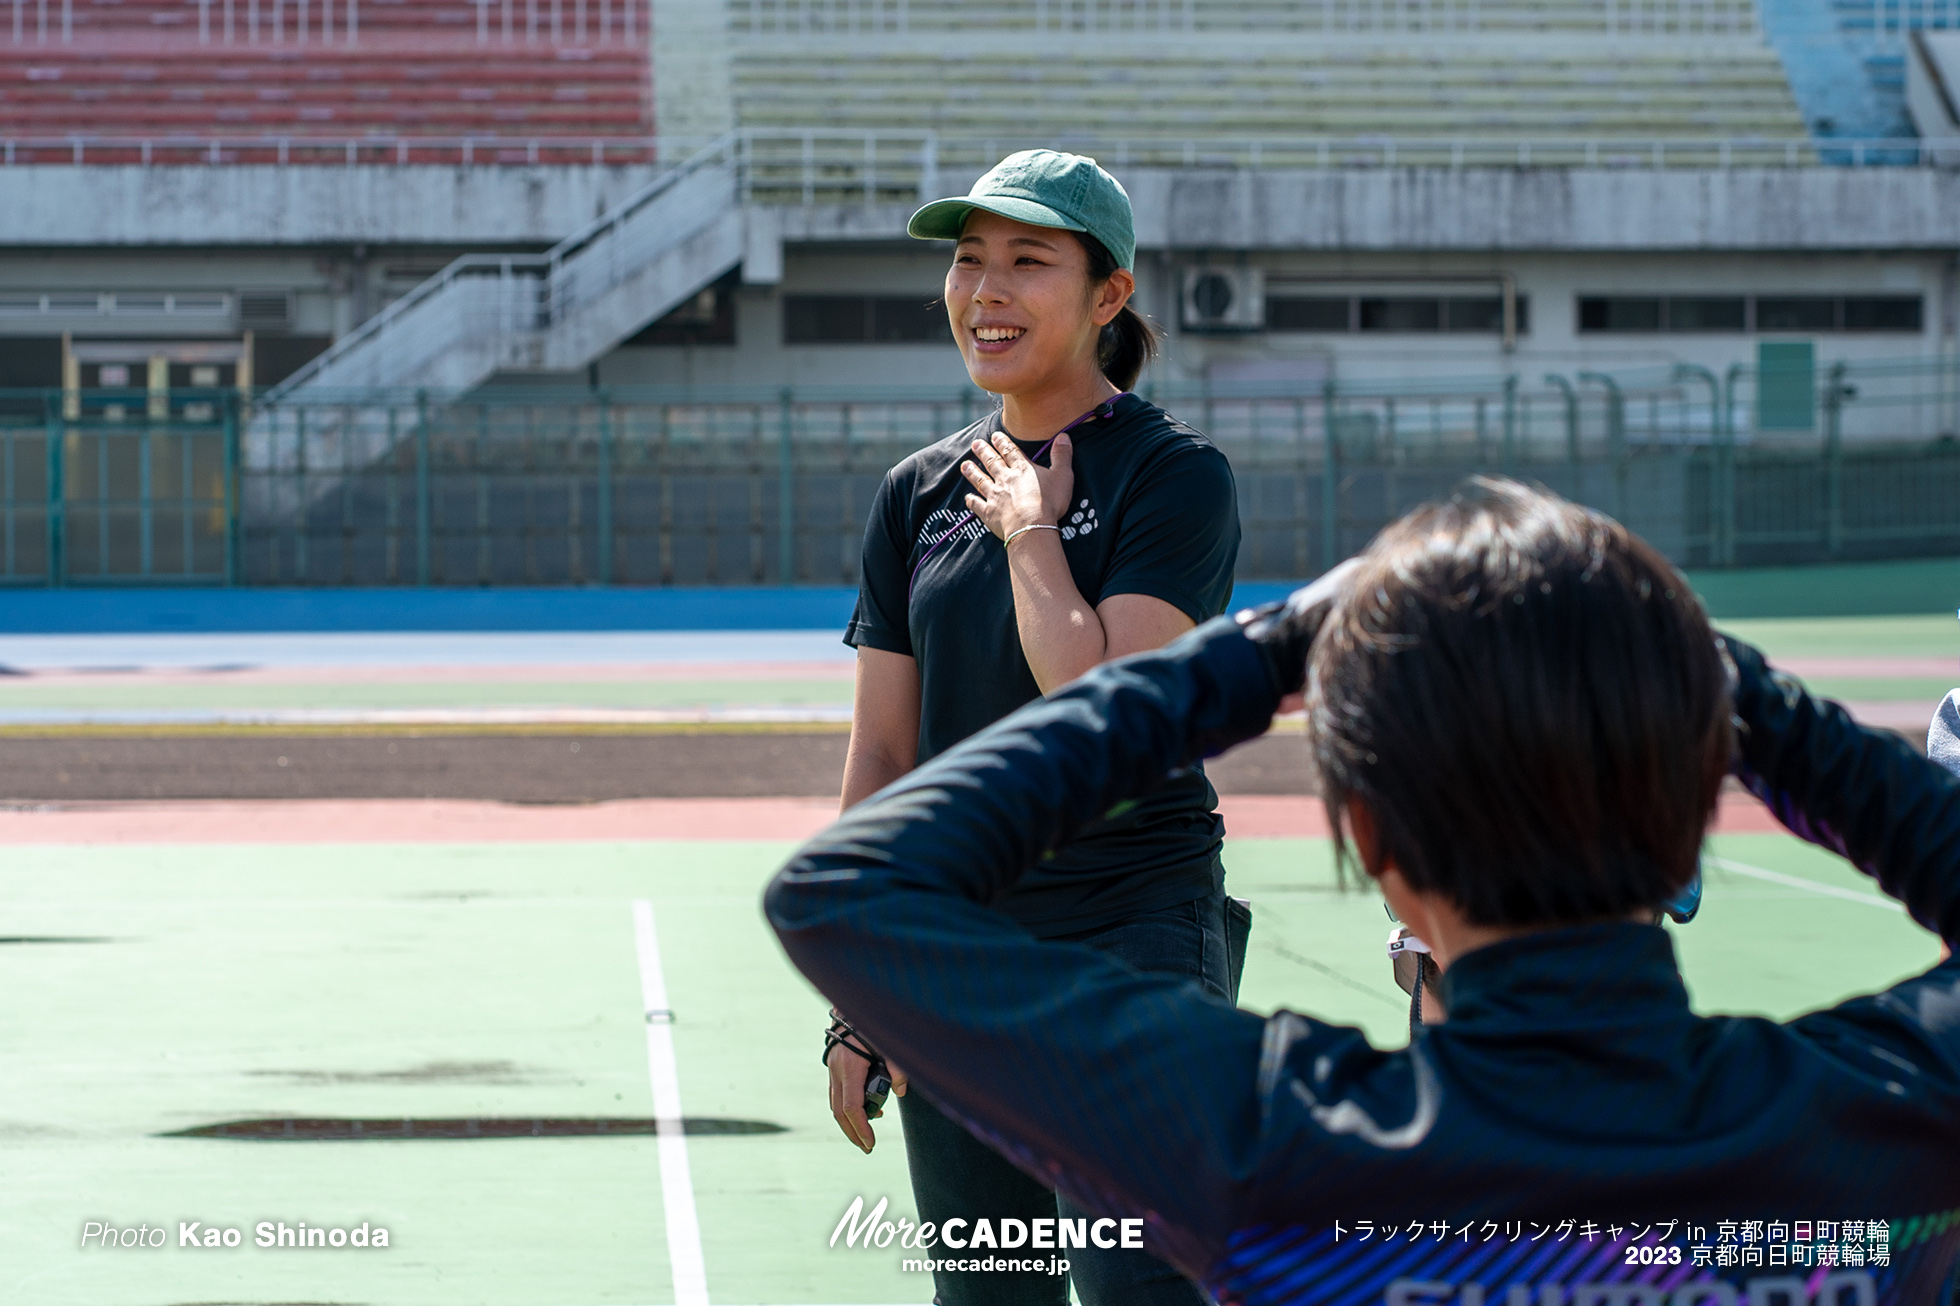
(53, 938)
(400, 1129)
(429, 1072)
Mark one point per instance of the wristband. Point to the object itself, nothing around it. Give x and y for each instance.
(1038, 526)
(842, 1034)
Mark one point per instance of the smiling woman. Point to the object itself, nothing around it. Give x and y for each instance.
(1075, 524)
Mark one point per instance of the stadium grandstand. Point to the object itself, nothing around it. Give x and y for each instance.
(1517, 225)
(242, 81)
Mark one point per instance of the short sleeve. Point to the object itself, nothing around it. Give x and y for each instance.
(1178, 537)
(881, 619)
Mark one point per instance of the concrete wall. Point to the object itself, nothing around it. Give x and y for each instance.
(486, 207)
(1333, 209)
(1549, 209)
(1443, 209)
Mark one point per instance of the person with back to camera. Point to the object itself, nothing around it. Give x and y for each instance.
(1075, 524)
(1521, 720)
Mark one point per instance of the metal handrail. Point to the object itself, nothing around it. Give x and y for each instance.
(838, 150)
(219, 148)
(240, 24)
(806, 19)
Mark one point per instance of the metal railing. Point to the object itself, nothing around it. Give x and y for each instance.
(323, 23)
(973, 154)
(345, 151)
(788, 165)
(1179, 18)
(750, 485)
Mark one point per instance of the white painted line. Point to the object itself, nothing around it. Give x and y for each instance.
(835, 714)
(1798, 882)
(676, 1181)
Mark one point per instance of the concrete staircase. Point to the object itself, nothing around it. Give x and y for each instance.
(491, 313)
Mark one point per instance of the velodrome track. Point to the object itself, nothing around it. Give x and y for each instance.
(346, 948)
(596, 716)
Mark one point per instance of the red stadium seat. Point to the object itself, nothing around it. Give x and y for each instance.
(305, 80)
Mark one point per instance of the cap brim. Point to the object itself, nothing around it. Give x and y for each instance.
(944, 219)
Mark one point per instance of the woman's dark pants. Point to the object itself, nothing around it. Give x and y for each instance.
(954, 1174)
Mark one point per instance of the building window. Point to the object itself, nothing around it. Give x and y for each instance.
(1310, 313)
(1723, 313)
(1418, 314)
(1401, 313)
(1738, 314)
(1620, 313)
(864, 320)
(1884, 313)
(1483, 314)
(1796, 313)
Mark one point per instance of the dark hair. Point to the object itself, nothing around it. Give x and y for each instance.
(1129, 341)
(1530, 701)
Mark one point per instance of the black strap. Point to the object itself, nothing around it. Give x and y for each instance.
(1415, 1000)
(841, 1034)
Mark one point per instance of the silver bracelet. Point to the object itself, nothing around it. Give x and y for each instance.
(1038, 526)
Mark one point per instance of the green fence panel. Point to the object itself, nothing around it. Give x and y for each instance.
(766, 486)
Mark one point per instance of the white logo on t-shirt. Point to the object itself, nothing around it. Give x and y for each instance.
(1079, 522)
(942, 523)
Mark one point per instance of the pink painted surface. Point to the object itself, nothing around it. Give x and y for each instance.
(1908, 716)
(405, 820)
(1872, 668)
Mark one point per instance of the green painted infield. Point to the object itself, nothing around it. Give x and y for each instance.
(432, 980)
(1838, 589)
(1757, 948)
(1845, 689)
(1851, 637)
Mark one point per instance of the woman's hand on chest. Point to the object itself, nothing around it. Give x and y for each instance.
(1010, 492)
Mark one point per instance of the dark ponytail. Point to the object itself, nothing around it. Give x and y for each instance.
(1129, 341)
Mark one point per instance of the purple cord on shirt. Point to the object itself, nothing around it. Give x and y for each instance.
(1106, 409)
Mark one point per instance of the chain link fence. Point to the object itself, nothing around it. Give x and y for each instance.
(748, 487)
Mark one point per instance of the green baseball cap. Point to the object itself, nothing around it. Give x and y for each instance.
(1044, 188)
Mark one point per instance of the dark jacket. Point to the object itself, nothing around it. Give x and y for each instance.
(1571, 1087)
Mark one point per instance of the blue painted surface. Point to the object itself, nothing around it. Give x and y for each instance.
(190, 611)
(1844, 85)
(1858, 589)
(1251, 593)
(107, 611)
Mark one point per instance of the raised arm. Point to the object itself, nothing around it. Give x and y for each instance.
(1170, 568)
(887, 914)
(1864, 794)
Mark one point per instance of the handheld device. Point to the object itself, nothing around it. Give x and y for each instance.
(877, 1087)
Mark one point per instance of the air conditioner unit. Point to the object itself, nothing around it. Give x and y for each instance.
(1224, 299)
(265, 310)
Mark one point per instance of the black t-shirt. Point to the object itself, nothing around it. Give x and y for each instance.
(1154, 511)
